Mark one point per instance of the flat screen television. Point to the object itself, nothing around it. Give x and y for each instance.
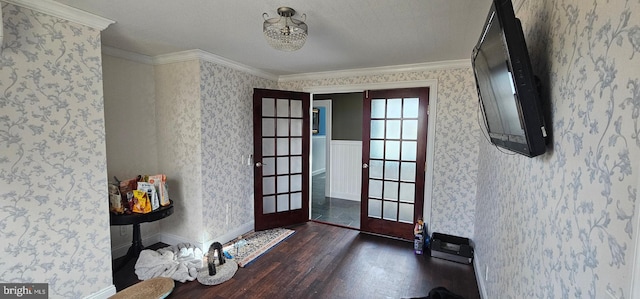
(507, 88)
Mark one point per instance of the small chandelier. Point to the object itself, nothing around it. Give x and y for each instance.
(285, 33)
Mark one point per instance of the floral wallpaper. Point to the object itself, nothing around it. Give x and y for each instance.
(227, 142)
(205, 125)
(456, 142)
(53, 177)
(129, 84)
(179, 149)
(562, 225)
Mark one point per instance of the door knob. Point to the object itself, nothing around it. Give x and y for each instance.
(365, 165)
(259, 164)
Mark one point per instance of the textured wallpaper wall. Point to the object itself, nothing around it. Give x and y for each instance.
(130, 129)
(205, 134)
(53, 176)
(562, 225)
(179, 149)
(227, 141)
(456, 142)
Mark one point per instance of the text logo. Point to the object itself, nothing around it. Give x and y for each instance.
(24, 290)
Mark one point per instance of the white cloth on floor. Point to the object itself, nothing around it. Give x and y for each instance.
(179, 262)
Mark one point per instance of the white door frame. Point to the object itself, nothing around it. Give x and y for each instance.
(327, 155)
(433, 100)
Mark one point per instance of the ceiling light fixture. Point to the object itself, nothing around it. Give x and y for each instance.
(285, 33)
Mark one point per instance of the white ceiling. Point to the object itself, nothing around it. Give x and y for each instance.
(343, 34)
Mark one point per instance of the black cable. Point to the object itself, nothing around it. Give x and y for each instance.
(486, 128)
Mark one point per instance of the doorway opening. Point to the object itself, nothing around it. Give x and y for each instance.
(335, 197)
(328, 91)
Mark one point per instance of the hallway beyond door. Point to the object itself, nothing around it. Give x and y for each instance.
(332, 210)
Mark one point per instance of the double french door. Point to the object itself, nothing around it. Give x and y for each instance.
(393, 159)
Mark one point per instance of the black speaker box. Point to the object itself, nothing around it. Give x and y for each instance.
(452, 248)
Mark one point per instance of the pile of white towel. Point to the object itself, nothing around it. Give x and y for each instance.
(180, 262)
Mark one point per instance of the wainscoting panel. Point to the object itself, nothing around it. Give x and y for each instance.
(346, 169)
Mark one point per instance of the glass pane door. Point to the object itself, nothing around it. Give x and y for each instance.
(394, 153)
(281, 153)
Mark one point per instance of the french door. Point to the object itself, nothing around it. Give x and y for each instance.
(394, 143)
(281, 140)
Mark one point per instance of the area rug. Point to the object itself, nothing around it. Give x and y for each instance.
(255, 244)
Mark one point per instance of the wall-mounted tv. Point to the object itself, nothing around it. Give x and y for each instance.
(507, 88)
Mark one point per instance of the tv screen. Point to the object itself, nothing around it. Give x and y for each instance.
(506, 85)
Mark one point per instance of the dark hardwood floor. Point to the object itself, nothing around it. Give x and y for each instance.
(324, 261)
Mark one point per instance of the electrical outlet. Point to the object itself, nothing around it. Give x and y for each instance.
(123, 230)
(226, 218)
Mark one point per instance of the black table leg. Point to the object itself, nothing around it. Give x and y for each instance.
(136, 243)
(134, 250)
(135, 219)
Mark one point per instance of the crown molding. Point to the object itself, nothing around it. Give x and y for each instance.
(206, 56)
(418, 67)
(64, 12)
(176, 57)
(185, 56)
(322, 89)
(131, 56)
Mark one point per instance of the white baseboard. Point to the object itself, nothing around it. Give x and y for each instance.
(241, 230)
(104, 293)
(121, 250)
(319, 171)
(479, 277)
(348, 196)
(172, 239)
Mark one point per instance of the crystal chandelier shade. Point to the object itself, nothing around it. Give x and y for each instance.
(285, 33)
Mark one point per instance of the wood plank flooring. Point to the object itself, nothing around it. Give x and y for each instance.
(323, 261)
